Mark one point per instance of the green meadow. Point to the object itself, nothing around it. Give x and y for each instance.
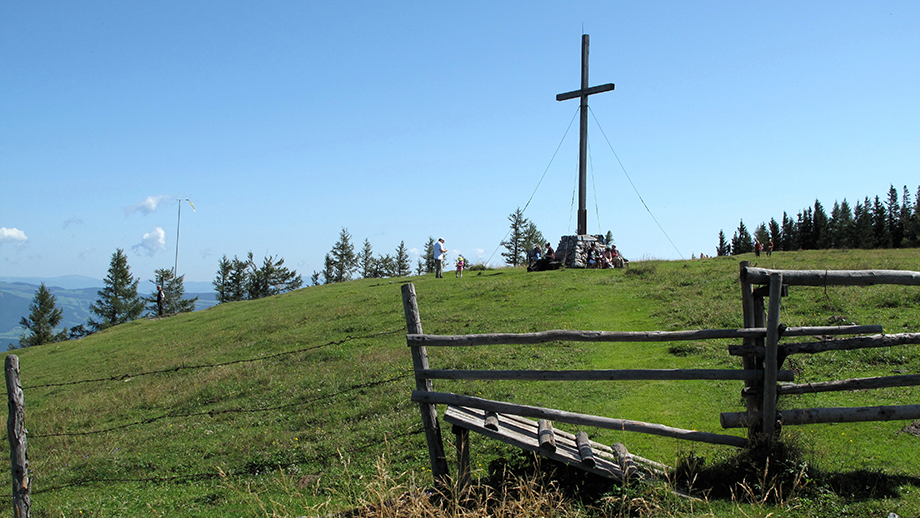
(299, 404)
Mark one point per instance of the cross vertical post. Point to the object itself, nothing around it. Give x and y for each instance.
(583, 93)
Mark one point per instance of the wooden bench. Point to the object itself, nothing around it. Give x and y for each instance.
(542, 439)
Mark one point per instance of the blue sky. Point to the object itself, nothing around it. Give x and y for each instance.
(285, 121)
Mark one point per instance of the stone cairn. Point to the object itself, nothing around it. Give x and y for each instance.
(573, 250)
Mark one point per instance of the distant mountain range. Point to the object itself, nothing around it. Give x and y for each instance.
(74, 294)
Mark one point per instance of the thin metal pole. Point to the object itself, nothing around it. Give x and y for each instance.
(178, 222)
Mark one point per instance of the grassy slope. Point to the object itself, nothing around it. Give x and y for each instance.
(300, 394)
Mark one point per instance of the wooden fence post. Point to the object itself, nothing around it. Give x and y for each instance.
(429, 411)
(770, 360)
(16, 428)
(749, 361)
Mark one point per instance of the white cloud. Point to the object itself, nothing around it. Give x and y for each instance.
(9, 235)
(148, 205)
(152, 242)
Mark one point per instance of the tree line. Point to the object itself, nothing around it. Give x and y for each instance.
(891, 222)
(243, 279)
(118, 302)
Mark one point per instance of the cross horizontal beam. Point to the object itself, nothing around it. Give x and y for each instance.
(585, 91)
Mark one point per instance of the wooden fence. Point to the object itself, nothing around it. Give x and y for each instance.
(768, 354)
(762, 357)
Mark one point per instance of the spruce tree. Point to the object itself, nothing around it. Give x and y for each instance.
(863, 237)
(790, 236)
(522, 237)
(428, 254)
(118, 301)
(762, 235)
(893, 218)
(43, 318)
(741, 240)
(724, 248)
(366, 261)
(344, 260)
(173, 291)
(776, 234)
(819, 228)
(403, 266)
(328, 272)
(272, 278)
(880, 225)
(231, 282)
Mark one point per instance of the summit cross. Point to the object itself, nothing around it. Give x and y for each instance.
(583, 93)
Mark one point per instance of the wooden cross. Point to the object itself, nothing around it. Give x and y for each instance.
(583, 93)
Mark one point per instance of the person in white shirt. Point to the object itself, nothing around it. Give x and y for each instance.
(439, 251)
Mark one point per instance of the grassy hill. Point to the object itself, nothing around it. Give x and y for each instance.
(286, 405)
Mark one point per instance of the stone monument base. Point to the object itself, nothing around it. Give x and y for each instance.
(573, 250)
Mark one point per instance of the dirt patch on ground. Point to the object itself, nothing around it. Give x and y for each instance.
(912, 428)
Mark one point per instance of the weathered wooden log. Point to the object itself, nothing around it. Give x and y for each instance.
(562, 416)
(828, 415)
(771, 358)
(601, 375)
(841, 344)
(584, 449)
(833, 277)
(491, 421)
(429, 411)
(627, 464)
(748, 361)
(904, 380)
(563, 335)
(545, 435)
(16, 431)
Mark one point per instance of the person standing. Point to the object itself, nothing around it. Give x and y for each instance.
(161, 301)
(439, 251)
(461, 262)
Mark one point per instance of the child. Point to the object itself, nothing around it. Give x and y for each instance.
(460, 262)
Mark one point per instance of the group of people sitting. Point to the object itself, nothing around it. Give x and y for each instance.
(609, 257)
(604, 256)
(539, 259)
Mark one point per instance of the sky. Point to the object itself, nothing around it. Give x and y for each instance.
(284, 122)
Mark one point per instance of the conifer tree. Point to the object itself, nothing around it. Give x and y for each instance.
(741, 240)
(366, 261)
(173, 291)
(344, 260)
(790, 236)
(522, 237)
(118, 301)
(232, 279)
(819, 226)
(428, 255)
(328, 270)
(43, 318)
(776, 234)
(893, 219)
(402, 264)
(272, 278)
(723, 248)
(880, 225)
(863, 236)
(762, 235)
